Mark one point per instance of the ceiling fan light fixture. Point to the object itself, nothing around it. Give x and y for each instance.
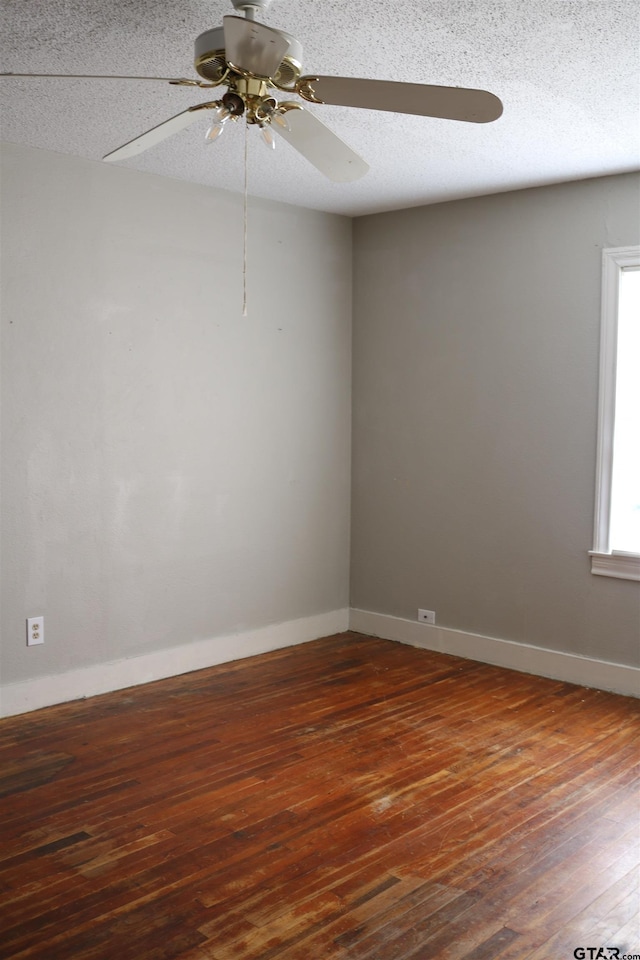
(280, 119)
(267, 136)
(230, 107)
(220, 114)
(215, 131)
(270, 112)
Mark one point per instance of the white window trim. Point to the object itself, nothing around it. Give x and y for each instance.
(605, 562)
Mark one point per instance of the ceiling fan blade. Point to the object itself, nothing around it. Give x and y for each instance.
(157, 134)
(100, 76)
(449, 103)
(321, 146)
(252, 47)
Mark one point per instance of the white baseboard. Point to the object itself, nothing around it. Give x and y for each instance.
(102, 678)
(584, 671)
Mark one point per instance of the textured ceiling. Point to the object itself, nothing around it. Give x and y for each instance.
(568, 72)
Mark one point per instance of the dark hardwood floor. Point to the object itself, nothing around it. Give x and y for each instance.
(350, 798)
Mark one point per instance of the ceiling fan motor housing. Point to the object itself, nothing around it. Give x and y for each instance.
(210, 62)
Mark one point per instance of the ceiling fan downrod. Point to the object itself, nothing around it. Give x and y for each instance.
(250, 7)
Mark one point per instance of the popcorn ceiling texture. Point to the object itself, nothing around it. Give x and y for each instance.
(568, 72)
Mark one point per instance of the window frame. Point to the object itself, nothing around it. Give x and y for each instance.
(604, 561)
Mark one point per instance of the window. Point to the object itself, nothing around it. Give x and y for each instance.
(616, 551)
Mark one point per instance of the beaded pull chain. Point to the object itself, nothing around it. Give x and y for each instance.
(246, 199)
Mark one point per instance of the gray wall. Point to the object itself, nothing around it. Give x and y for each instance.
(476, 338)
(171, 471)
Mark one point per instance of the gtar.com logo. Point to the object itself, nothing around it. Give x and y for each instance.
(603, 953)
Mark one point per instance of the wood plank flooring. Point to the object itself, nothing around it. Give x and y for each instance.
(347, 799)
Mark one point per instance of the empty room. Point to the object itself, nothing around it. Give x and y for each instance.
(320, 526)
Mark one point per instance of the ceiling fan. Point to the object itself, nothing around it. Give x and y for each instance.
(253, 60)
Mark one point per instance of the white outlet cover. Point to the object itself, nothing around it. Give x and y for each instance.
(35, 631)
(427, 616)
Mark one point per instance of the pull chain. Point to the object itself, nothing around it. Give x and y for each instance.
(246, 198)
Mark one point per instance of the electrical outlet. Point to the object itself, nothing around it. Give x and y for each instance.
(427, 616)
(35, 631)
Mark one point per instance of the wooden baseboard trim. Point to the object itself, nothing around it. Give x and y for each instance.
(40, 692)
(584, 671)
